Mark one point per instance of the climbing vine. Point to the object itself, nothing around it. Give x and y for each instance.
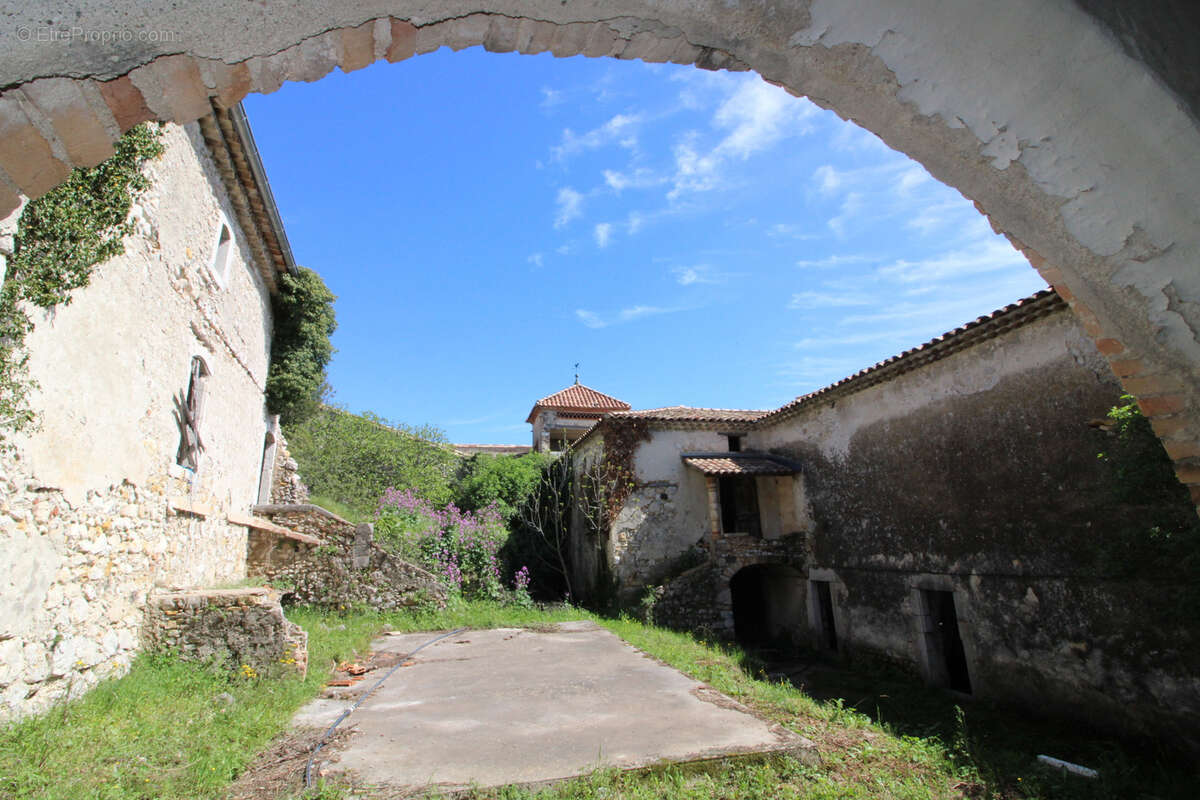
(614, 479)
(61, 237)
(301, 350)
(1165, 539)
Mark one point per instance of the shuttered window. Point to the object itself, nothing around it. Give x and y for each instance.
(191, 412)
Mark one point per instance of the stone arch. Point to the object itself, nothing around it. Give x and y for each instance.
(1070, 130)
(768, 604)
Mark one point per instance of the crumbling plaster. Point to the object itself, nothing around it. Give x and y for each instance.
(162, 283)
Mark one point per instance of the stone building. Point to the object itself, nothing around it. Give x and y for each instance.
(154, 440)
(565, 416)
(940, 509)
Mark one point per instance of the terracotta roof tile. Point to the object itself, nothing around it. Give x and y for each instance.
(689, 414)
(739, 464)
(578, 397)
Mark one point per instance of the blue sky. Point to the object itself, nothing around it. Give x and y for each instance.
(688, 237)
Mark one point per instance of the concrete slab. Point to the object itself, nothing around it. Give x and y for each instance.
(504, 706)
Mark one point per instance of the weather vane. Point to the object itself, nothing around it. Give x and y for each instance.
(577, 372)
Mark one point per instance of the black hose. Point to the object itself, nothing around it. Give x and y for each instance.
(325, 739)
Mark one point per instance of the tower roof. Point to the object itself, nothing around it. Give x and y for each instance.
(579, 399)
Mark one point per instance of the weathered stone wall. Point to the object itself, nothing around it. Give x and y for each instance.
(94, 511)
(347, 569)
(240, 628)
(978, 474)
(666, 513)
(287, 488)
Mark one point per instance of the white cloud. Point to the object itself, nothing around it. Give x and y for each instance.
(807, 300)
(787, 230)
(570, 206)
(986, 256)
(550, 97)
(620, 129)
(589, 318)
(828, 178)
(853, 205)
(755, 117)
(700, 274)
(536, 259)
(593, 320)
(603, 234)
(834, 261)
(563, 249)
(634, 223)
(640, 178)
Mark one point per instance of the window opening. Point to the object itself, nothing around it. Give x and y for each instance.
(739, 505)
(735, 444)
(220, 262)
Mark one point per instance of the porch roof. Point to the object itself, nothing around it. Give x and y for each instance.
(739, 464)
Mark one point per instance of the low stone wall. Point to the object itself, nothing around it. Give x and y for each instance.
(348, 568)
(241, 628)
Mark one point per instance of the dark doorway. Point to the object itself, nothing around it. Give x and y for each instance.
(768, 606)
(826, 629)
(739, 505)
(947, 658)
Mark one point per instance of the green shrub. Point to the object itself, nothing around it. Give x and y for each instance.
(300, 350)
(502, 481)
(353, 458)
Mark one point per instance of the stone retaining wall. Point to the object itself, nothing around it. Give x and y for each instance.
(347, 569)
(241, 628)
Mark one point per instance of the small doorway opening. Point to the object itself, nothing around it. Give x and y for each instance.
(943, 642)
(822, 599)
(768, 606)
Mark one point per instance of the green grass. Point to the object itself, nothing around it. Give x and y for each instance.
(348, 513)
(160, 731)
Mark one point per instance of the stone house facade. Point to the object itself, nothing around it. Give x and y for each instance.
(939, 510)
(154, 441)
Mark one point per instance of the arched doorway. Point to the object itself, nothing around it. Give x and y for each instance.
(768, 606)
(1066, 123)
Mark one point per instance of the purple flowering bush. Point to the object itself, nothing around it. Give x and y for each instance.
(460, 547)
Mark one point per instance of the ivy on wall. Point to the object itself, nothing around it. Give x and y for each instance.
(301, 350)
(61, 237)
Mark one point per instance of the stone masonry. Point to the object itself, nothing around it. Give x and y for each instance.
(238, 628)
(346, 569)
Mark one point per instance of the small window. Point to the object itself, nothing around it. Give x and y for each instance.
(735, 443)
(190, 412)
(220, 262)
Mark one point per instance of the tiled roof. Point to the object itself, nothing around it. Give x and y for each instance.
(974, 332)
(493, 449)
(578, 397)
(689, 414)
(739, 464)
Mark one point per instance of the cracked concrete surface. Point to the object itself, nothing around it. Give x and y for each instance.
(504, 706)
